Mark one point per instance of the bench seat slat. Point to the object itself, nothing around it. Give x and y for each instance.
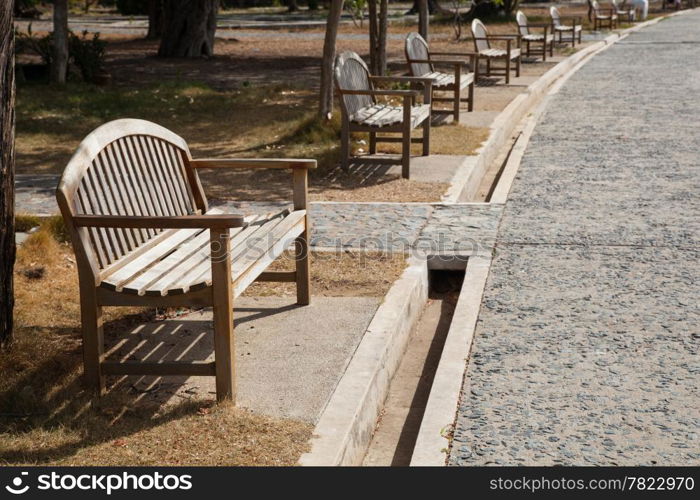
(180, 262)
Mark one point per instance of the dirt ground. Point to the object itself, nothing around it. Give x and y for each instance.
(46, 417)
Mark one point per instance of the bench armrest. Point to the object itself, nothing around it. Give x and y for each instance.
(252, 163)
(220, 221)
(394, 93)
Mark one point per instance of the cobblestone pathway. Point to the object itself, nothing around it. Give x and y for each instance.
(586, 350)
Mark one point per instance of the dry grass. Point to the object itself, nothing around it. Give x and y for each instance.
(47, 418)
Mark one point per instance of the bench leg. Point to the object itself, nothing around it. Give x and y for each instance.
(471, 96)
(302, 269)
(222, 298)
(93, 341)
(457, 95)
(345, 145)
(426, 136)
(372, 143)
(508, 69)
(517, 66)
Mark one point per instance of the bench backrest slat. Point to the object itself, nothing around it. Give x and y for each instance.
(351, 73)
(125, 167)
(417, 49)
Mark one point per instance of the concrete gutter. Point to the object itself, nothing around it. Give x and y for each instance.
(433, 440)
(347, 424)
(433, 437)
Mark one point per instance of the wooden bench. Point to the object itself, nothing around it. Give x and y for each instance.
(482, 45)
(422, 62)
(574, 29)
(144, 235)
(361, 112)
(544, 40)
(623, 12)
(601, 17)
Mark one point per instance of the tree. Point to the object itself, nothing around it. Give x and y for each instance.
(423, 11)
(59, 62)
(325, 108)
(188, 28)
(155, 19)
(433, 7)
(377, 36)
(7, 165)
(291, 5)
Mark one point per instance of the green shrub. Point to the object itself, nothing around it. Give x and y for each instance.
(88, 55)
(25, 222)
(57, 228)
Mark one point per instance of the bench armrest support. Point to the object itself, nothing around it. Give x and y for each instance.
(252, 163)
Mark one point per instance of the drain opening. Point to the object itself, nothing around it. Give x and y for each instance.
(399, 423)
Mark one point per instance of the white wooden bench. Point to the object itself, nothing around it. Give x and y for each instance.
(602, 17)
(361, 112)
(574, 29)
(143, 235)
(544, 40)
(422, 62)
(482, 45)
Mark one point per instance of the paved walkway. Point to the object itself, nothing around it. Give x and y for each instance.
(586, 351)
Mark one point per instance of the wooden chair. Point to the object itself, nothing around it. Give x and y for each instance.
(574, 29)
(482, 45)
(543, 40)
(143, 235)
(601, 17)
(362, 113)
(628, 14)
(422, 62)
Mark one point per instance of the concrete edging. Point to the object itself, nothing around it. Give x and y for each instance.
(346, 426)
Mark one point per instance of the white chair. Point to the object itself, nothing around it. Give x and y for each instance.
(573, 30)
(540, 40)
(482, 45)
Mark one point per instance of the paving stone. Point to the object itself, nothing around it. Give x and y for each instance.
(586, 347)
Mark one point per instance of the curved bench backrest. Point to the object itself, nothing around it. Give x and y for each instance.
(479, 32)
(521, 18)
(417, 49)
(351, 73)
(126, 167)
(556, 17)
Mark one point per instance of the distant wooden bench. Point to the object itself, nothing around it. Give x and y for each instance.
(574, 29)
(482, 45)
(544, 40)
(422, 62)
(622, 11)
(143, 235)
(361, 112)
(601, 17)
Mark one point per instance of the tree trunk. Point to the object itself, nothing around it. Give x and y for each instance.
(373, 36)
(7, 166)
(189, 28)
(155, 19)
(377, 36)
(433, 7)
(423, 18)
(291, 5)
(381, 39)
(59, 64)
(325, 108)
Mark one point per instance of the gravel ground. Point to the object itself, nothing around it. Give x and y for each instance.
(586, 350)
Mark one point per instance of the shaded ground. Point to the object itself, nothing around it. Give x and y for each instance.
(46, 417)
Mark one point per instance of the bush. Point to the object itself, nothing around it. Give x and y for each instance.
(88, 55)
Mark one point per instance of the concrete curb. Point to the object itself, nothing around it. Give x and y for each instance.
(431, 443)
(347, 424)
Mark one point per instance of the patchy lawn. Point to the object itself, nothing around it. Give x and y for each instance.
(47, 418)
